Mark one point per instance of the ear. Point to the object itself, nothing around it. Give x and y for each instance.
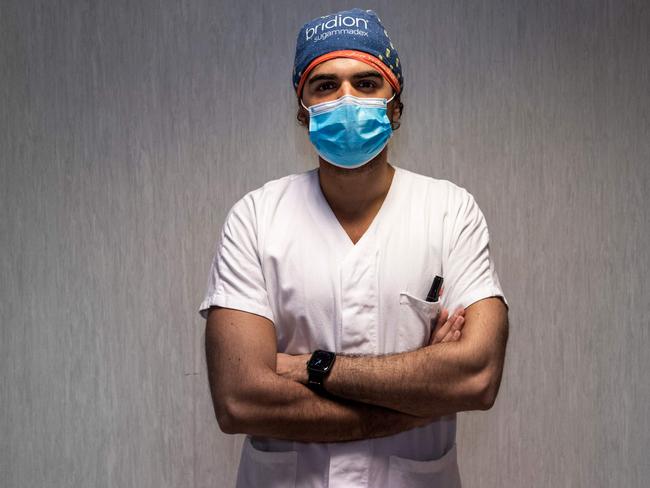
(395, 113)
(302, 115)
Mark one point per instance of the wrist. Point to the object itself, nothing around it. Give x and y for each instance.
(301, 374)
(318, 368)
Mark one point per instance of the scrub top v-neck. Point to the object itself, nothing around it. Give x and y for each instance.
(333, 221)
(284, 255)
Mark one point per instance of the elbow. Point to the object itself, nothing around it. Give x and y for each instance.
(486, 399)
(486, 388)
(242, 409)
(229, 416)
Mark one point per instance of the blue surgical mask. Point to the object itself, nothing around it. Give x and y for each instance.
(349, 131)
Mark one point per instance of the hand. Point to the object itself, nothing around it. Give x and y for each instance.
(293, 367)
(448, 329)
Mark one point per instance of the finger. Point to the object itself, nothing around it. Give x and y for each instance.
(444, 330)
(440, 321)
(455, 327)
(452, 336)
(455, 323)
(454, 332)
(459, 322)
(443, 327)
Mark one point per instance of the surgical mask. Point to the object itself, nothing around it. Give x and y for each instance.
(349, 131)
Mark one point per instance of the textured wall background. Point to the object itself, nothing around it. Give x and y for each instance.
(129, 128)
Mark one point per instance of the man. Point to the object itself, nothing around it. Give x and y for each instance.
(333, 267)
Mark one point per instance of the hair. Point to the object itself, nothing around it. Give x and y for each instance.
(301, 116)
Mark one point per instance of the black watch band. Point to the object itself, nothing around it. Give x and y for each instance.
(316, 386)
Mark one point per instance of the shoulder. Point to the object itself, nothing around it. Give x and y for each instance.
(269, 195)
(444, 192)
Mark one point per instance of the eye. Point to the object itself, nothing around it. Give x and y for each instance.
(325, 86)
(367, 84)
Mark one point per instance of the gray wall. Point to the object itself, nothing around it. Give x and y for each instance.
(129, 128)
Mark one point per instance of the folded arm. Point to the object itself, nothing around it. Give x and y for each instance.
(250, 397)
(436, 380)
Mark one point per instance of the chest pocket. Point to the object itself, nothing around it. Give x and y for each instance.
(417, 318)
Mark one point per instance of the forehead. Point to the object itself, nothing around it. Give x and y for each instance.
(342, 67)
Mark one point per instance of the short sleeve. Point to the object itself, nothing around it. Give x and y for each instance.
(468, 271)
(236, 279)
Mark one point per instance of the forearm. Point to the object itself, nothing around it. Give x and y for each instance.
(283, 409)
(432, 381)
(438, 379)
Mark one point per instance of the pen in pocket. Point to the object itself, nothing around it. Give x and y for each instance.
(434, 291)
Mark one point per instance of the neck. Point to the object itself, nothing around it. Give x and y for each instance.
(352, 193)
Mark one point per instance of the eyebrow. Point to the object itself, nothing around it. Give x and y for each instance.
(330, 76)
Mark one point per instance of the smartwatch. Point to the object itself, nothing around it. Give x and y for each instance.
(319, 366)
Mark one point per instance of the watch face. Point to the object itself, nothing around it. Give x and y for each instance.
(321, 360)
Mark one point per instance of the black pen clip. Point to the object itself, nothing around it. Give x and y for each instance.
(434, 292)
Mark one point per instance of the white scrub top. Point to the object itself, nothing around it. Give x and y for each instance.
(283, 254)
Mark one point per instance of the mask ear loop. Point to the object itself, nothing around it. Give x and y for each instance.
(307, 109)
